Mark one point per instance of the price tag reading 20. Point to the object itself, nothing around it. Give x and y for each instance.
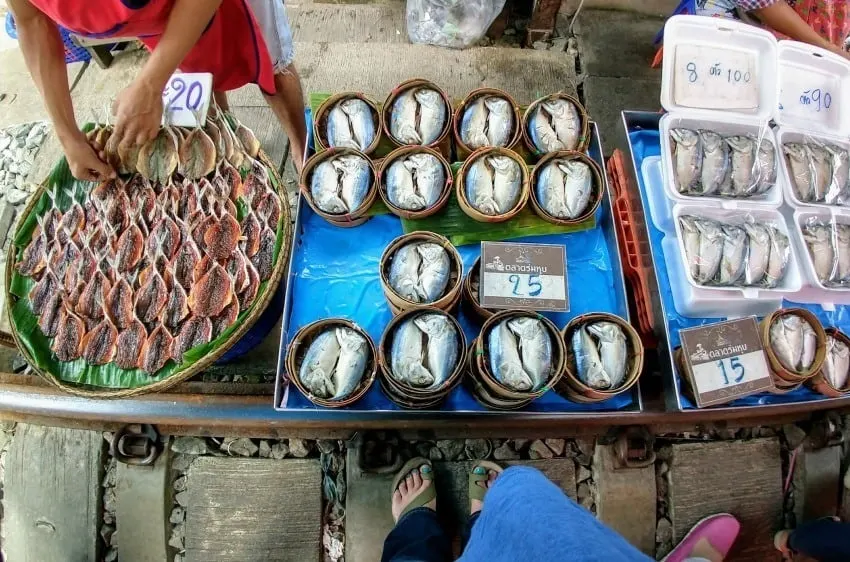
(186, 96)
(715, 78)
(525, 276)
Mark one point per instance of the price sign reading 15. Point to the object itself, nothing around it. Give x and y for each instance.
(715, 78)
(185, 96)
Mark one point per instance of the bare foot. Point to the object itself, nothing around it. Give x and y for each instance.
(410, 488)
(703, 549)
(476, 505)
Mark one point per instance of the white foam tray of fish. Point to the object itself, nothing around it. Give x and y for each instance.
(814, 290)
(644, 141)
(334, 273)
(726, 126)
(787, 135)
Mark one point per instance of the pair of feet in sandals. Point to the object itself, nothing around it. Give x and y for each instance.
(414, 486)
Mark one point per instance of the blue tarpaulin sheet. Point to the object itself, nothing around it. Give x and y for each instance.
(646, 143)
(335, 274)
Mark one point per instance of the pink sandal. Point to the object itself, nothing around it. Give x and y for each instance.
(719, 530)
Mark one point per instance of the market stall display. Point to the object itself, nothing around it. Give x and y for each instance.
(137, 283)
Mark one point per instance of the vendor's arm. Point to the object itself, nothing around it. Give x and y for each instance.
(781, 17)
(44, 54)
(138, 109)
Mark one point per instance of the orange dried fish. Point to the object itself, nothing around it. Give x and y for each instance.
(199, 229)
(221, 237)
(34, 258)
(63, 256)
(42, 291)
(106, 191)
(73, 221)
(183, 264)
(93, 298)
(269, 209)
(129, 249)
(99, 344)
(156, 351)
(158, 157)
(237, 268)
(165, 237)
(118, 212)
(49, 319)
(119, 304)
(151, 298)
(196, 155)
(251, 232)
(128, 346)
(263, 259)
(249, 293)
(253, 188)
(224, 320)
(47, 224)
(212, 130)
(211, 293)
(195, 331)
(69, 336)
(177, 307)
(188, 202)
(232, 179)
(201, 268)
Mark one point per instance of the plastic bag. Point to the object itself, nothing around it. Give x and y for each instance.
(450, 23)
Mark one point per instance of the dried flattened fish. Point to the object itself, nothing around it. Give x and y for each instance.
(69, 336)
(129, 249)
(41, 292)
(269, 209)
(157, 350)
(232, 179)
(129, 344)
(197, 330)
(158, 157)
(184, 262)
(214, 133)
(251, 231)
(151, 297)
(221, 237)
(249, 293)
(93, 298)
(177, 307)
(224, 320)
(263, 260)
(49, 319)
(212, 292)
(99, 344)
(237, 268)
(164, 237)
(248, 139)
(104, 192)
(73, 220)
(119, 304)
(196, 155)
(34, 258)
(118, 212)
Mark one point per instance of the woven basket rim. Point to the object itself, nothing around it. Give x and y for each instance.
(326, 105)
(469, 295)
(460, 191)
(386, 116)
(472, 96)
(445, 194)
(584, 137)
(455, 267)
(776, 366)
(598, 191)
(260, 305)
(304, 337)
(304, 185)
(820, 377)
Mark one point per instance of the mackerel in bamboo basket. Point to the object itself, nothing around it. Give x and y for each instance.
(480, 121)
(470, 291)
(337, 201)
(572, 384)
(582, 189)
(535, 383)
(348, 386)
(419, 117)
(415, 276)
(417, 196)
(832, 380)
(479, 201)
(474, 383)
(793, 335)
(340, 123)
(421, 357)
(567, 129)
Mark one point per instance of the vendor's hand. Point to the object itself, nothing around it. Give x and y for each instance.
(84, 161)
(138, 113)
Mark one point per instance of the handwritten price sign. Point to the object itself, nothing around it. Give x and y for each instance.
(185, 96)
(526, 276)
(809, 95)
(714, 78)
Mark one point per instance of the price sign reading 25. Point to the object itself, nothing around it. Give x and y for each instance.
(526, 285)
(185, 95)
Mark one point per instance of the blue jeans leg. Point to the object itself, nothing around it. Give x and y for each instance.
(825, 540)
(418, 537)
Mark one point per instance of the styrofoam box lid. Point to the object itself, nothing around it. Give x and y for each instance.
(716, 65)
(812, 82)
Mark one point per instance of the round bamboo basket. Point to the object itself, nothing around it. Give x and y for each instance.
(463, 150)
(595, 198)
(783, 388)
(470, 293)
(320, 127)
(339, 219)
(301, 343)
(776, 366)
(634, 367)
(443, 143)
(482, 358)
(452, 294)
(479, 391)
(409, 396)
(584, 127)
(465, 204)
(820, 383)
(188, 372)
(401, 153)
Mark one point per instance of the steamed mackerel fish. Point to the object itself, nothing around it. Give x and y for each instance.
(419, 272)
(520, 353)
(334, 363)
(415, 182)
(418, 116)
(707, 163)
(424, 351)
(829, 251)
(820, 172)
(794, 342)
(339, 185)
(554, 125)
(564, 188)
(487, 121)
(729, 255)
(837, 364)
(351, 124)
(493, 184)
(601, 355)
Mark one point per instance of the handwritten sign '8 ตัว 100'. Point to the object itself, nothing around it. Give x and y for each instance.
(523, 276)
(708, 77)
(725, 361)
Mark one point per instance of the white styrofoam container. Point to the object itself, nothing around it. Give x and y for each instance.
(719, 35)
(814, 291)
(696, 302)
(813, 87)
(791, 282)
(725, 125)
(660, 210)
(788, 134)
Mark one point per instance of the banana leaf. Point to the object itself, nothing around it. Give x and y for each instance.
(37, 344)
